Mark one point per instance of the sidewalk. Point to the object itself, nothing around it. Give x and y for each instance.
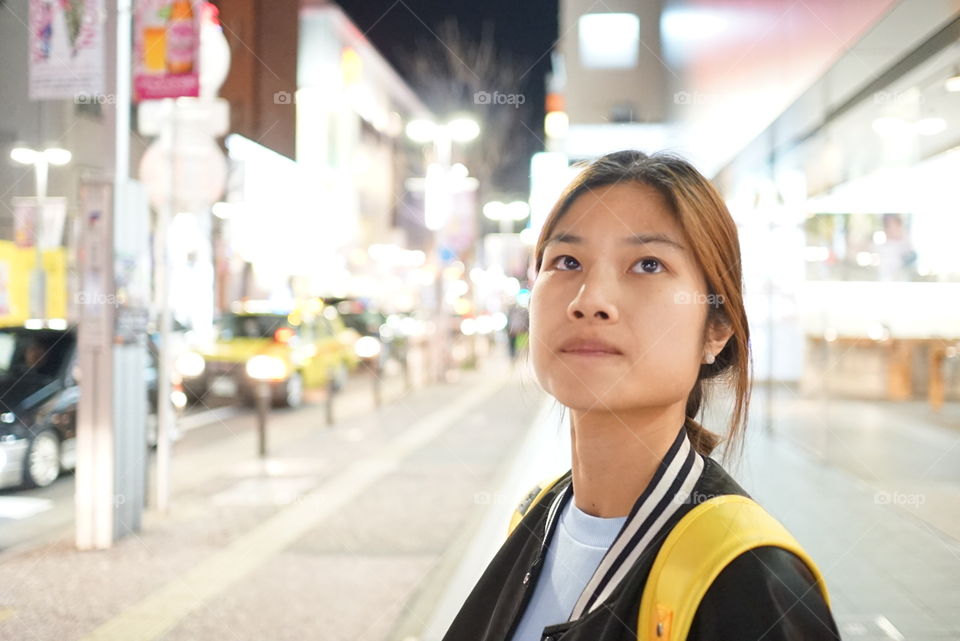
(377, 527)
(872, 491)
(328, 539)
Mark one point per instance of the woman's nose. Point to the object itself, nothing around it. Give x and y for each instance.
(593, 300)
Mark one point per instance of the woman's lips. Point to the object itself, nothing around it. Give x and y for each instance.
(589, 347)
(584, 346)
(589, 352)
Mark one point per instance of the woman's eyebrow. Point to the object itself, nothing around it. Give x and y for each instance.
(645, 239)
(635, 239)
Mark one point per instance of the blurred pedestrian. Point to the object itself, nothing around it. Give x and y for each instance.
(518, 322)
(637, 305)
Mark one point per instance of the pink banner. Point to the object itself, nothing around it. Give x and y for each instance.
(167, 49)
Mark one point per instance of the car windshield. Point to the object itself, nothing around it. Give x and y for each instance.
(251, 325)
(364, 322)
(33, 352)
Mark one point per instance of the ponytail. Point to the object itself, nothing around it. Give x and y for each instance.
(703, 440)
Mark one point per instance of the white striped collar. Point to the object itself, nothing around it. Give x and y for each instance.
(669, 488)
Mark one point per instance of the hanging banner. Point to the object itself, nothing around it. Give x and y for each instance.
(25, 211)
(66, 49)
(166, 49)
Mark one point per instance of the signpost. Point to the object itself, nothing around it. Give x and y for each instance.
(183, 170)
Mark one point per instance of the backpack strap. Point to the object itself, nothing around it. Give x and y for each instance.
(698, 548)
(532, 498)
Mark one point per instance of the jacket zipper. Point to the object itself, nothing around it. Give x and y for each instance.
(539, 557)
(527, 592)
(548, 528)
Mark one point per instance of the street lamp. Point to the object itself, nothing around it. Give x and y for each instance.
(41, 161)
(506, 213)
(463, 129)
(421, 130)
(438, 201)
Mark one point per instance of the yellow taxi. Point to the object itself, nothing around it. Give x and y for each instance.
(307, 343)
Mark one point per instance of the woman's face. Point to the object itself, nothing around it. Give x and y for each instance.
(618, 307)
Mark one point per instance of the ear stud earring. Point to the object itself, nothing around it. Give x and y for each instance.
(709, 358)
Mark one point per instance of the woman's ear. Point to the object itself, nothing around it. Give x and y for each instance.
(718, 333)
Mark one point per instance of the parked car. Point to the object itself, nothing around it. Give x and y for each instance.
(308, 344)
(391, 332)
(39, 392)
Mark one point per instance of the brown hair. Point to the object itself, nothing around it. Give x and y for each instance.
(712, 235)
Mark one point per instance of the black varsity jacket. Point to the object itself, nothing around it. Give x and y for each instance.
(767, 594)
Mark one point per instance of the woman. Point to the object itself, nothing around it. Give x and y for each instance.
(637, 303)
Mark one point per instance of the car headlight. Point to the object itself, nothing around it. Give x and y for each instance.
(266, 368)
(8, 417)
(179, 399)
(468, 326)
(367, 347)
(190, 365)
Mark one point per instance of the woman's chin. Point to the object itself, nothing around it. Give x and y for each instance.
(584, 398)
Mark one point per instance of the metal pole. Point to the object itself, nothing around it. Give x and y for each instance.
(263, 405)
(161, 252)
(328, 405)
(768, 410)
(771, 293)
(97, 484)
(38, 296)
(442, 149)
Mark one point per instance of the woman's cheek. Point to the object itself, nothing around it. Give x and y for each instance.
(538, 335)
(667, 362)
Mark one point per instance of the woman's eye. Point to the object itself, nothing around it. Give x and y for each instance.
(565, 263)
(650, 265)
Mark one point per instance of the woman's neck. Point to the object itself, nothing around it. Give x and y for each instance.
(615, 455)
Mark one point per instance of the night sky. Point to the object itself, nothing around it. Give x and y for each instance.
(523, 35)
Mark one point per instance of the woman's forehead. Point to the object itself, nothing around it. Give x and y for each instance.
(624, 208)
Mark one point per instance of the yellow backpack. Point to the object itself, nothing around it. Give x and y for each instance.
(699, 547)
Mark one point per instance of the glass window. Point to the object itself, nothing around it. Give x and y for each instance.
(34, 353)
(251, 325)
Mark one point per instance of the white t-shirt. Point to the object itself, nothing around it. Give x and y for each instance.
(574, 553)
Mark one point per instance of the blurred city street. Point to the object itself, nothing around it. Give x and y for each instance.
(299, 299)
(375, 528)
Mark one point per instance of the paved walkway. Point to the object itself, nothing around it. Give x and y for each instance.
(329, 539)
(871, 490)
(376, 528)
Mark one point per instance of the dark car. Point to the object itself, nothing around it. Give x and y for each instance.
(38, 403)
(388, 330)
